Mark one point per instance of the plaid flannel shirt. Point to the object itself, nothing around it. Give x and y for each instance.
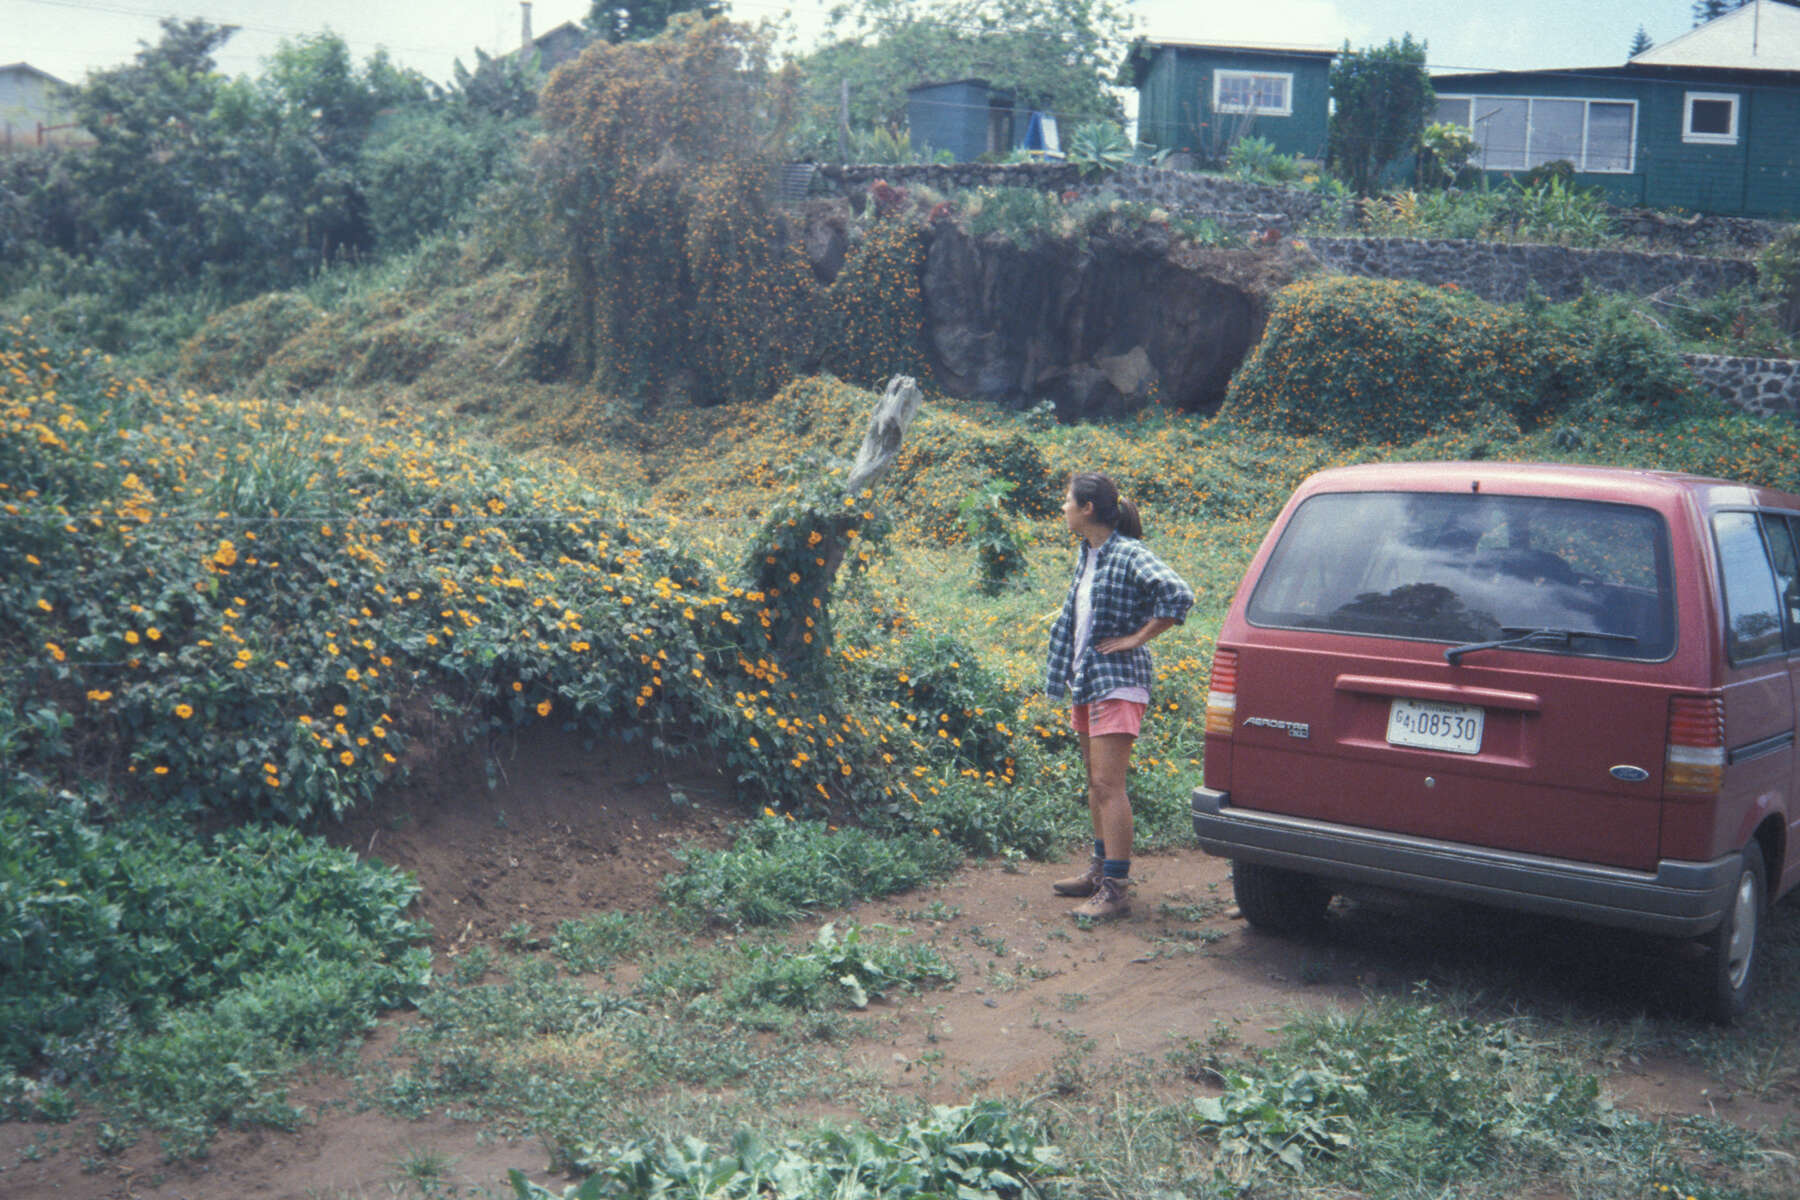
(1131, 585)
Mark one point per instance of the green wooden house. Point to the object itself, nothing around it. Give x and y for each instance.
(1709, 121)
(1199, 98)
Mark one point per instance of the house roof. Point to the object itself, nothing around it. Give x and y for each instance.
(29, 69)
(1763, 35)
(1142, 55)
(974, 81)
(1295, 50)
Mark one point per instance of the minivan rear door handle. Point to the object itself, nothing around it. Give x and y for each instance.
(1374, 685)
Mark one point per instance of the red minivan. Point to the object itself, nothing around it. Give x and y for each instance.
(1566, 690)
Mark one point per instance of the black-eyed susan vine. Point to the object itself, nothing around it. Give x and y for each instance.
(258, 607)
(663, 173)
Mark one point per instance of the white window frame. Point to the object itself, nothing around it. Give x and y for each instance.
(1588, 102)
(1729, 138)
(1287, 93)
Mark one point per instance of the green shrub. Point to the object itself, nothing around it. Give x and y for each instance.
(1376, 362)
(999, 546)
(1778, 279)
(421, 168)
(953, 707)
(1257, 160)
(1023, 216)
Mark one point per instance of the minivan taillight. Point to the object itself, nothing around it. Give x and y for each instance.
(1221, 694)
(1695, 765)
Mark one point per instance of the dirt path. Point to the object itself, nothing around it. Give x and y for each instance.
(1041, 1006)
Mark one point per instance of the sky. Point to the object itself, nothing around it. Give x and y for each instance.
(69, 38)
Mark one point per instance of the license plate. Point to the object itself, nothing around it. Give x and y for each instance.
(1433, 725)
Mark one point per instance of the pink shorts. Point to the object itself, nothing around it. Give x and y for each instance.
(1108, 716)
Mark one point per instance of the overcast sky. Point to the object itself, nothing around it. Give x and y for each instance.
(68, 38)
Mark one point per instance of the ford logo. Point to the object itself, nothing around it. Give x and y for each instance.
(1629, 774)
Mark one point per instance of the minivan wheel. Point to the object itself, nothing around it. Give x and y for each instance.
(1278, 901)
(1730, 960)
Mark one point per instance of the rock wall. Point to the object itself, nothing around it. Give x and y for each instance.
(1233, 203)
(1762, 387)
(1096, 329)
(1501, 272)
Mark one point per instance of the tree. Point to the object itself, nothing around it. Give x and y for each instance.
(1381, 98)
(1057, 56)
(240, 184)
(505, 87)
(1640, 42)
(1712, 10)
(660, 167)
(634, 20)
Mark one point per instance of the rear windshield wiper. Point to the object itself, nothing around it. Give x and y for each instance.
(1519, 635)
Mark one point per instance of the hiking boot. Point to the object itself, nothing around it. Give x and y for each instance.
(1108, 900)
(1082, 884)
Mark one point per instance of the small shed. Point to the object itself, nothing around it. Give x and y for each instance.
(1709, 121)
(1199, 98)
(967, 117)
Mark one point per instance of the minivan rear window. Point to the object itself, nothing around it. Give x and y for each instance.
(1464, 567)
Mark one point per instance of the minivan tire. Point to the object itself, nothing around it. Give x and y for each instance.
(1732, 950)
(1278, 901)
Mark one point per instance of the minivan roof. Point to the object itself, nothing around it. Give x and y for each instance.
(1617, 484)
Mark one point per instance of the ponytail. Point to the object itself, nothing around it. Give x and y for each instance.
(1130, 524)
(1091, 487)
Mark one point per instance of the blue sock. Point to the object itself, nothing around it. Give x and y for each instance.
(1116, 868)
(1099, 848)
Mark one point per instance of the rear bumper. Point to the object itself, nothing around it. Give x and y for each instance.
(1680, 899)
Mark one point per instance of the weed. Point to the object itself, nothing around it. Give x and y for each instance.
(592, 943)
(780, 869)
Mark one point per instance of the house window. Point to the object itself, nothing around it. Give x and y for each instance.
(1253, 92)
(1516, 133)
(1710, 118)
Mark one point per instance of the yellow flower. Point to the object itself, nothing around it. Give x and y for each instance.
(352, 675)
(184, 711)
(153, 633)
(98, 697)
(161, 771)
(44, 604)
(56, 651)
(346, 758)
(131, 637)
(543, 708)
(517, 686)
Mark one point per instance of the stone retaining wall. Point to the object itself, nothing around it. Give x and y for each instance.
(1500, 271)
(1762, 387)
(1233, 203)
(1495, 271)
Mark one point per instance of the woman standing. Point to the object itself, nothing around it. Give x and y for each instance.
(1122, 596)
